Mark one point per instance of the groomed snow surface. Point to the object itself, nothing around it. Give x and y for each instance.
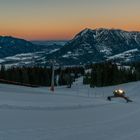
(79, 113)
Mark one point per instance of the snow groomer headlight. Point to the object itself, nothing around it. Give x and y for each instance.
(119, 92)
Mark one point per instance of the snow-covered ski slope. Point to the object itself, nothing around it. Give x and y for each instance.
(79, 113)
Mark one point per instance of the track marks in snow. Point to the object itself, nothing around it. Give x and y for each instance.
(52, 108)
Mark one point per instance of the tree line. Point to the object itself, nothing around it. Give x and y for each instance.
(101, 74)
(108, 73)
(39, 76)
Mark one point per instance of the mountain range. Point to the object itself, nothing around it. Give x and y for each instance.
(16, 51)
(88, 46)
(91, 46)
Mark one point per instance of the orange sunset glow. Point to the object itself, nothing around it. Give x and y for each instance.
(62, 19)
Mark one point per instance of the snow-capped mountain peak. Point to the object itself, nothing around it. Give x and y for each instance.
(96, 45)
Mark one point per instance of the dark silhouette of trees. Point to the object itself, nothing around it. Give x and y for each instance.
(39, 76)
(105, 74)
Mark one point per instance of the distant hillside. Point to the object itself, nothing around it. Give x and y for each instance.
(17, 52)
(10, 46)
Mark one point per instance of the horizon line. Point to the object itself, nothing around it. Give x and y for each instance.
(67, 39)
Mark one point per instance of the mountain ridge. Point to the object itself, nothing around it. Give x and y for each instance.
(89, 46)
